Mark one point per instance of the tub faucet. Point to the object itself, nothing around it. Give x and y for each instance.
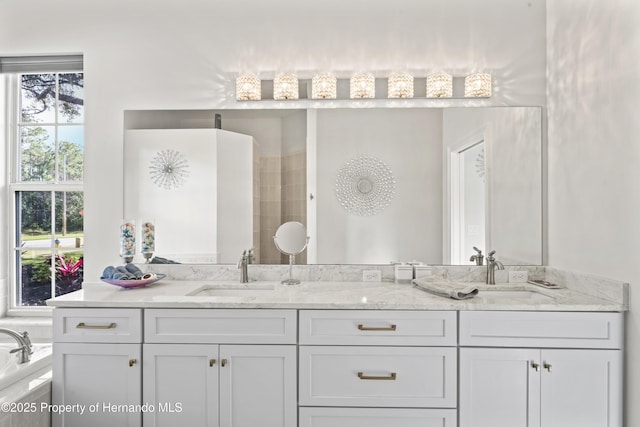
(242, 265)
(492, 266)
(22, 338)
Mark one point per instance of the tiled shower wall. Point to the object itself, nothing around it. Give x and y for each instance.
(294, 190)
(270, 207)
(282, 198)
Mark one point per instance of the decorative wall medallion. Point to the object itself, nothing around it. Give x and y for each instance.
(169, 169)
(365, 186)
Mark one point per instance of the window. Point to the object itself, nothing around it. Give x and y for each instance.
(45, 182)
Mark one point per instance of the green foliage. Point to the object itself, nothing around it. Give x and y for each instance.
(37, 155)
(67, 268)
(71, 161)
(41, 272)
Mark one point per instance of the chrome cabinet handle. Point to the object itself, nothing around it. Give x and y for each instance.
(212, 362)
(391, 377)
(367, 328)
(547, 366)
(535, 366)
(83, 325)
(223, 362)
(132, 362)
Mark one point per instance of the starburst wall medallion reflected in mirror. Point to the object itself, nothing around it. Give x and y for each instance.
(169, 169)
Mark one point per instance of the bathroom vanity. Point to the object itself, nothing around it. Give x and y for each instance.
(326, 354)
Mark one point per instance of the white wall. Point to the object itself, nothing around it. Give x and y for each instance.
(294, 133)
(266, 131)
(185, 55)
(235, 185)
(513, 154)
(4, 226)
(409, 143)
(593, 54)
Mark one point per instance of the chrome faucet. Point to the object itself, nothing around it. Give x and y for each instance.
(22, 338)
(492, 266)
(477, 258)
(242, 265)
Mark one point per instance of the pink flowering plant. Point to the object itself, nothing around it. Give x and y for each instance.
(69, 274)
(68, 268)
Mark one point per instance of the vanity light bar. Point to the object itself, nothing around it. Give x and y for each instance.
(361, 86)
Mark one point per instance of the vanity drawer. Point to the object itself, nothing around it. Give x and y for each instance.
(377, 417)
(102, 325)
(378, 327)
(242, 326)
(541, 329)
(419, 377)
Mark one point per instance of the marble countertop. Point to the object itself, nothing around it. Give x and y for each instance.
(329, 295)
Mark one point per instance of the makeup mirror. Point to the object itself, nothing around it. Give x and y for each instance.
(291, 239)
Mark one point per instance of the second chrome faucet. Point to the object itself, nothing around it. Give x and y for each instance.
(492, 266)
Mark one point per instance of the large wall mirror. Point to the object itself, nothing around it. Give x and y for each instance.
(372, 186)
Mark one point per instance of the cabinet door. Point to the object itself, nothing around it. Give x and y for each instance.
(181, 382)
(581, 388)
(499, 387)
(258, 386)
(101, 380)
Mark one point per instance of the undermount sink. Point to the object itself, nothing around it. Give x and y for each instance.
(521, 294)
(231, 290)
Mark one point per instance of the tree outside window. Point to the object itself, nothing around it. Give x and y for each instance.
(48, 186)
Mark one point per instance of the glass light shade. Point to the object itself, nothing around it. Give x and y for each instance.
(400, 85)
(362, 86)
(248, 88)
(285, 86)
(439, 85)
(477, 86)
(324, 86)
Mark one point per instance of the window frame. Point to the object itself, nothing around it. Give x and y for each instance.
(15, 186)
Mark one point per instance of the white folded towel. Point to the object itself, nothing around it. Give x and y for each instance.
(446, 289)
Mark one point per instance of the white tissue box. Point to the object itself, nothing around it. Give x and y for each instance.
(404, 273)
(422, 271)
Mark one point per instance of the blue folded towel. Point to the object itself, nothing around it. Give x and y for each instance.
(122, 272)
(108, 272)
(160, 260)
(133, 269)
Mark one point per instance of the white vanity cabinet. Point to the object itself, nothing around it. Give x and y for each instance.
(247, 367)
(96, 367)
(242, 372)
(377, 368)
(540, 369)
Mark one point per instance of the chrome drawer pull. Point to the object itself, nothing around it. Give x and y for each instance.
(132, 362)
(366, 328)
(391, 377)
(82, 325)
(535, 366)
